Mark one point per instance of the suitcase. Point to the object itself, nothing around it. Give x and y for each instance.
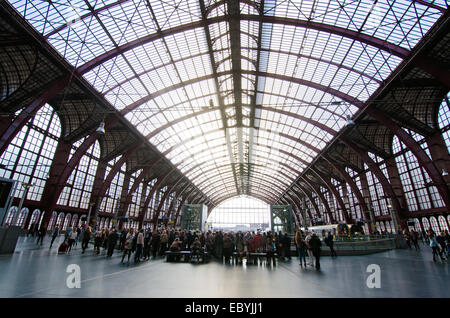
(63, 247)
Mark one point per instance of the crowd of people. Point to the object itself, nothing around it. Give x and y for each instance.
(439, 243)
(146, 244)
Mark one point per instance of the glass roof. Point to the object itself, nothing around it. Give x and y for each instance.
(240, 98)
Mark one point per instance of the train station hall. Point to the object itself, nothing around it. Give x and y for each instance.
(224, 149)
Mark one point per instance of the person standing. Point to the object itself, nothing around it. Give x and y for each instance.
(435, 247)
(78, 236)
(440, 239)
(156, 240)
(316, 245)
(330, 243)
(164, 241)
(98, 241)
(447, 239)
(54, 235)
(112, 241)
(128, 245)
(270, 251)
(227, 248)
(287, 246)
(139, 246)
(123, 238)
(308, 249)
(71, 239)
(41, 235)
(415, 240)
(86, 238)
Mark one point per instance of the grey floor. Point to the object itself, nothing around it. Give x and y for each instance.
(40, 272)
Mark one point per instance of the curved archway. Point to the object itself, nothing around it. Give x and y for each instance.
(240, 213)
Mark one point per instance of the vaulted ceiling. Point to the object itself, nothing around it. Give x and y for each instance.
(240, 96)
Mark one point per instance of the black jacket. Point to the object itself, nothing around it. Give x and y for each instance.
(315, 243)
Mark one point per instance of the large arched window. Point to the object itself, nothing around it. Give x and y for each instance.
(29, 156)
(241, 213)
(79, 186)
(110, 203)
(133, 208)
(414, 178)
(444, 120)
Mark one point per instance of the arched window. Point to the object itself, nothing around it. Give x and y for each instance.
(110, 201)
(241, 213)
(22, 217)
(79, 186)
(417, 226)
(29, 156)
(414, 179)
(444, 120)
(388, 226)
(434, 224)
(382, 226)
(60, 221)
(67, 221)
(426, 224)
(11, 213)
(74, 220)
(443, 223)
(34, 218)
(52, 222)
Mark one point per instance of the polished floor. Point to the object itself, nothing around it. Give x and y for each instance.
(40, 272)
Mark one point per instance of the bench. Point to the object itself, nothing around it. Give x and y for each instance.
(253, 256)
(186, 256)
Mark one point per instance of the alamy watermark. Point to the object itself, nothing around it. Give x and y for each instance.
(374, 279)
(74, 279)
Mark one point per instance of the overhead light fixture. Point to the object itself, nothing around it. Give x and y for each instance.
(101, 128)
(444, 172)
(350, 122)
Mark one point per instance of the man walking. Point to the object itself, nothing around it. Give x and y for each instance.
(329, 242)
(54, 235)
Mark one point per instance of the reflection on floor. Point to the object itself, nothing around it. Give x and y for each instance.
(40, 272)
